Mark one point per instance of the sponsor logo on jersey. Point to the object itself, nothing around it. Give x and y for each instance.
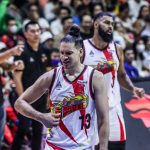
(106, 66)
(69, 104)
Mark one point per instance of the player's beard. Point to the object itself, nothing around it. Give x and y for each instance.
(105, 36)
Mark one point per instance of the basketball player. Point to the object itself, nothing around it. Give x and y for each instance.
(107, 57)
(75, 91)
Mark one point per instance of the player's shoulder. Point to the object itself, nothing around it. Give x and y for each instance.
(85, 41)
(55, 70)
(119, 50)
(47, 77)
(97, 74)
(118, 46)
(89, 67)
(97, 79)
(49, 74)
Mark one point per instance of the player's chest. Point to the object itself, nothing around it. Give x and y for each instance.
(104, 59)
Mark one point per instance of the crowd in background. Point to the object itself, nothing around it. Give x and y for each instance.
(55, 17)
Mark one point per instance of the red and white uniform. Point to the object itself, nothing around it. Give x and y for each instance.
(107, 62)
(75, 102)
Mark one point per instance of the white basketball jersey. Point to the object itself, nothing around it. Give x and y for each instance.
(75, 102)
(107, 62)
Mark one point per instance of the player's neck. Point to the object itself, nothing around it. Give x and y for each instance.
(74, 73)
(98, 42)
(75, 70)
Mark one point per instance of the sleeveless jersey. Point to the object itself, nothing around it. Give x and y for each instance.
(107, 62)
(74, 100)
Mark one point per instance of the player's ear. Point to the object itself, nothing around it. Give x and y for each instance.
(81, 52)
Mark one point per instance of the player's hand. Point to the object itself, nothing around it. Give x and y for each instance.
(138, 92)
(50, 119)
(17, 50)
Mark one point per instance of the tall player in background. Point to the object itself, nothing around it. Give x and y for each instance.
(76, 91)
(107, 57)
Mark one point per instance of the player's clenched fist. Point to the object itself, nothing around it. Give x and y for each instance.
(50, 119)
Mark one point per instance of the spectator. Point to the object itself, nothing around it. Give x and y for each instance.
(131, 71)
(54, 58)
(5, 10)
(146, 30)
(97, 8)
(24, 8)
(49, 10)
(119, 33)
(14, 11)
(47, 42)
(124, 16)
(56, 25)
(34, 15)
(86, 26)
(67, 23)
(136, 4)
(139, 48)
(12, 33)
(137, 28)
(143, 13)
(146, 54)
(80, 11)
